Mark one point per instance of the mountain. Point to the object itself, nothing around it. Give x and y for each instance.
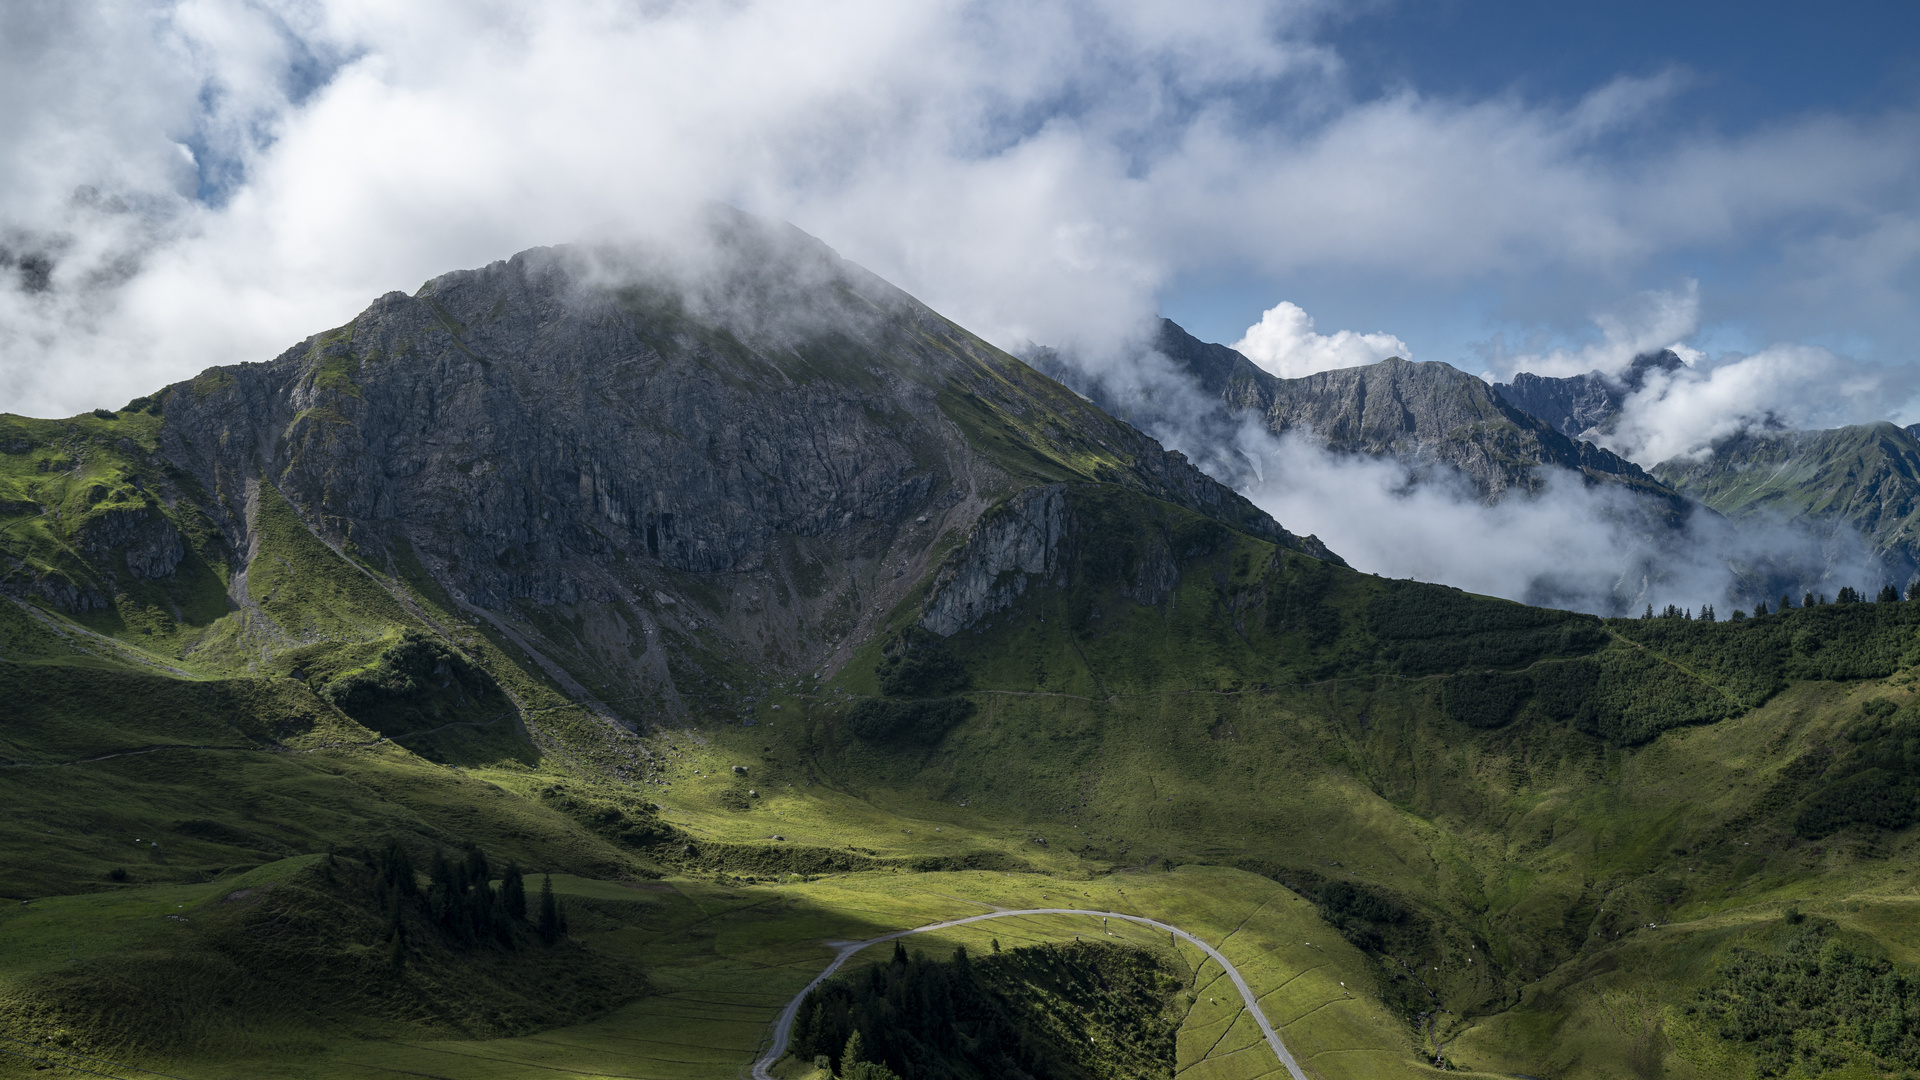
(546, 672)
(1865, 477)
(1424, 414)
(764, 460)
(1579, 404)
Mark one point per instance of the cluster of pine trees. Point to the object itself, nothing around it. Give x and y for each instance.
(1848, 595)
(1428, 631)
(1875, 783)
(1040, 1012)
(460, 904)
(1815, 1003)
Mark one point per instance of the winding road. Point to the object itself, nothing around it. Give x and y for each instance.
(782, 1028)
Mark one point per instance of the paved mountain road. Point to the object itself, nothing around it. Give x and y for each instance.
(783, 1027)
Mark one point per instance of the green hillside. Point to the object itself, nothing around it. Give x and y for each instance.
(758, 641)
(1866, 477)
(1489, 803)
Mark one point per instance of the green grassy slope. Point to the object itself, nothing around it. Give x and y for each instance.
(1866, 476)
(1477, 793)
(1471, 809)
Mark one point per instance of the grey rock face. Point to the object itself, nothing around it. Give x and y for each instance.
(1019, 542)
(150, 543)
(1583, 404)
(1421, 413)
(759, 447)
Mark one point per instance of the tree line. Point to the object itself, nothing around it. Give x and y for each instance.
(460, 902)
(1035, 1013)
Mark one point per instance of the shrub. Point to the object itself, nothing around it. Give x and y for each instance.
(911, 722)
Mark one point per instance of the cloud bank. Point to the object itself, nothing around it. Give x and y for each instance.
(1596, 549)
(206, 181)
(1682, 413)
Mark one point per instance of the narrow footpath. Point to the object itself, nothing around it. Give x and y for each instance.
(783, 1027)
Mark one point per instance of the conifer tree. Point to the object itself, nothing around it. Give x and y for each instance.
(513, 892)
(1807, 600)
(549, 911)
(478, 872)
(397, 869)
(1649, 613)
(1889, 594)
(1913, 589)
(850, 1054)
(853, 1068)
(1785, 602)
(1760, 609)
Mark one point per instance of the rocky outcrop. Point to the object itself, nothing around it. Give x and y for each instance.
(1583, 405)
(143, 535)
(1011, 546)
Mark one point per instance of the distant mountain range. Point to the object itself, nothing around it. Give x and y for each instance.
(1424, 414)
(1506, 438)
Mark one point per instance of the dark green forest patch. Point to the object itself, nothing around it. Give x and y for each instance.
(349, 944)
(1071, 1011)
(1809, 997)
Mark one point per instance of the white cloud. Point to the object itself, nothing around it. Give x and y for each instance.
(1284, 343)
(1785, 386)
(1038, 171)
(1587, 548)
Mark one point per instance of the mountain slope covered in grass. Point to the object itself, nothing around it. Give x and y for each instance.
(753, 611)
(1862, 479)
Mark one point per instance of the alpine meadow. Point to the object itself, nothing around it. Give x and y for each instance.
(549, 673)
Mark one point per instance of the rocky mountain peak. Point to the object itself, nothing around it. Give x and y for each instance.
(737, 442)
(1427, 414)
(1580, 405)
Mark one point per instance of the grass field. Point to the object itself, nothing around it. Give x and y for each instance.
(724, 960)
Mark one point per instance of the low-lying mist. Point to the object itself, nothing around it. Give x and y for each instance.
(1588, 547)
(1568, 543)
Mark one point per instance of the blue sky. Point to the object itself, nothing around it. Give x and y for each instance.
(1738, 69)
